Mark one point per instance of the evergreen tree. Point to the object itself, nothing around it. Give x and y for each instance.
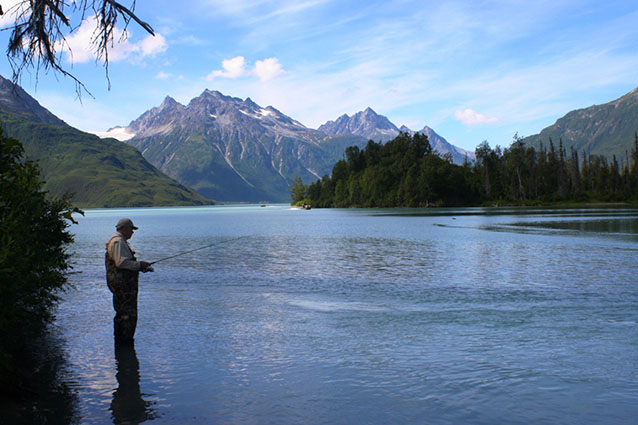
(297, 190)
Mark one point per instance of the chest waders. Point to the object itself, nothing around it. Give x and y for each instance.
(124, 286)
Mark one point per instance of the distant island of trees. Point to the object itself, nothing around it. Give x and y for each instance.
(407, 172)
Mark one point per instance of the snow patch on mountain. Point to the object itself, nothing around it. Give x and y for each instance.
(120, 133)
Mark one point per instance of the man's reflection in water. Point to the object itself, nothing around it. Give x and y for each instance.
(128, 406)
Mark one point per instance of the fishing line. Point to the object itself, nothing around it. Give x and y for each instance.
(200, 248)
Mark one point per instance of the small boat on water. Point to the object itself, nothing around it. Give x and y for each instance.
(306, 206)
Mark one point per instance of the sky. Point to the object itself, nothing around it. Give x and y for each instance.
(470, 70)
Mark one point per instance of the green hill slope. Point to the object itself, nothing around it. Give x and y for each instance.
(605, 130)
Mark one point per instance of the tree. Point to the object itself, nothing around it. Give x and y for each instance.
(38, 35)
(33, 256)
(516, 165)
(297, 190)
(483, 154)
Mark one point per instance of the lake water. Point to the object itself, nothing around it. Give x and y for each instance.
(439, 316)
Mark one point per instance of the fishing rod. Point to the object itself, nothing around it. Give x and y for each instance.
(200, 248)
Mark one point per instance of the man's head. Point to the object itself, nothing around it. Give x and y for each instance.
(125, 227)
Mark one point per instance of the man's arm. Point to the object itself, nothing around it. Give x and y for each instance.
(123, 257)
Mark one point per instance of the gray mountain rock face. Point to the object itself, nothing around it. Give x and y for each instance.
(443, 147)
(376, 127)
(231, 149)
(366, 123)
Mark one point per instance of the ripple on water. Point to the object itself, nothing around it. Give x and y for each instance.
(339, 316)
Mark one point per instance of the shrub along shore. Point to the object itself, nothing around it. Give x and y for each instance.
(34, 264)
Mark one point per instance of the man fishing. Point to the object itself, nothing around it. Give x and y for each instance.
(122, 274)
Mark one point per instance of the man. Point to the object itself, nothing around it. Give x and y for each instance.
(122, 274)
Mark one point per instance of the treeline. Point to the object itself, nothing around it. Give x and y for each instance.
(406, 172)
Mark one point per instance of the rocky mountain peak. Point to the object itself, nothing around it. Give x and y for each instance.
(214, 112)
(369, 124)
(366, 123)
(250, 102)
(168, 102)
(209, 96)
(404, 129)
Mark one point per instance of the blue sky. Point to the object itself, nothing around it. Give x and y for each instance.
(471, 70)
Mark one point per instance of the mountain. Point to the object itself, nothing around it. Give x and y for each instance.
(606, 129)
(101, 172)
(370, 125)
(231, 149)
(367, 124)
(13, 98)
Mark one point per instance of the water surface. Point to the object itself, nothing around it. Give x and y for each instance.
(474, 316)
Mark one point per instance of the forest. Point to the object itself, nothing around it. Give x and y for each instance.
(407, 172)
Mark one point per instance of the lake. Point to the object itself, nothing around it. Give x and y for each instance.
(371, 316)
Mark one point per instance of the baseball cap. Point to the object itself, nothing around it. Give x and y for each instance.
(125, 222)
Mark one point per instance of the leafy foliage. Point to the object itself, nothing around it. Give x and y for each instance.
(406, 172)
(33, 256)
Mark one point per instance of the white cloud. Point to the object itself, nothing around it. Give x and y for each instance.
(11, 11)
(233, 68)
(79, 48)
(163, 75)
(268, 69)
(470, 117)
(152, 45)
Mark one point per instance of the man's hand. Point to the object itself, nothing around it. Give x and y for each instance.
(145, 267)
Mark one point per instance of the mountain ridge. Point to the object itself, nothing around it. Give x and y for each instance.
(20, 102)
(607, 129)
(369, 124)
(236, 150)
(232, 149)
(366, 123)
(100, 172)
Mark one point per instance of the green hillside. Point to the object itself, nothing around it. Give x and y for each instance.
(605, 130)
(100, 172)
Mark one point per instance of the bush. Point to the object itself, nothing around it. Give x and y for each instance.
(34, 261)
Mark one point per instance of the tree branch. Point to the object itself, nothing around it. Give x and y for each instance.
(41, 26)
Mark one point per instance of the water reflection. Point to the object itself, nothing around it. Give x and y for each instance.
(41, 391)
(613, 226)
(128, 406)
